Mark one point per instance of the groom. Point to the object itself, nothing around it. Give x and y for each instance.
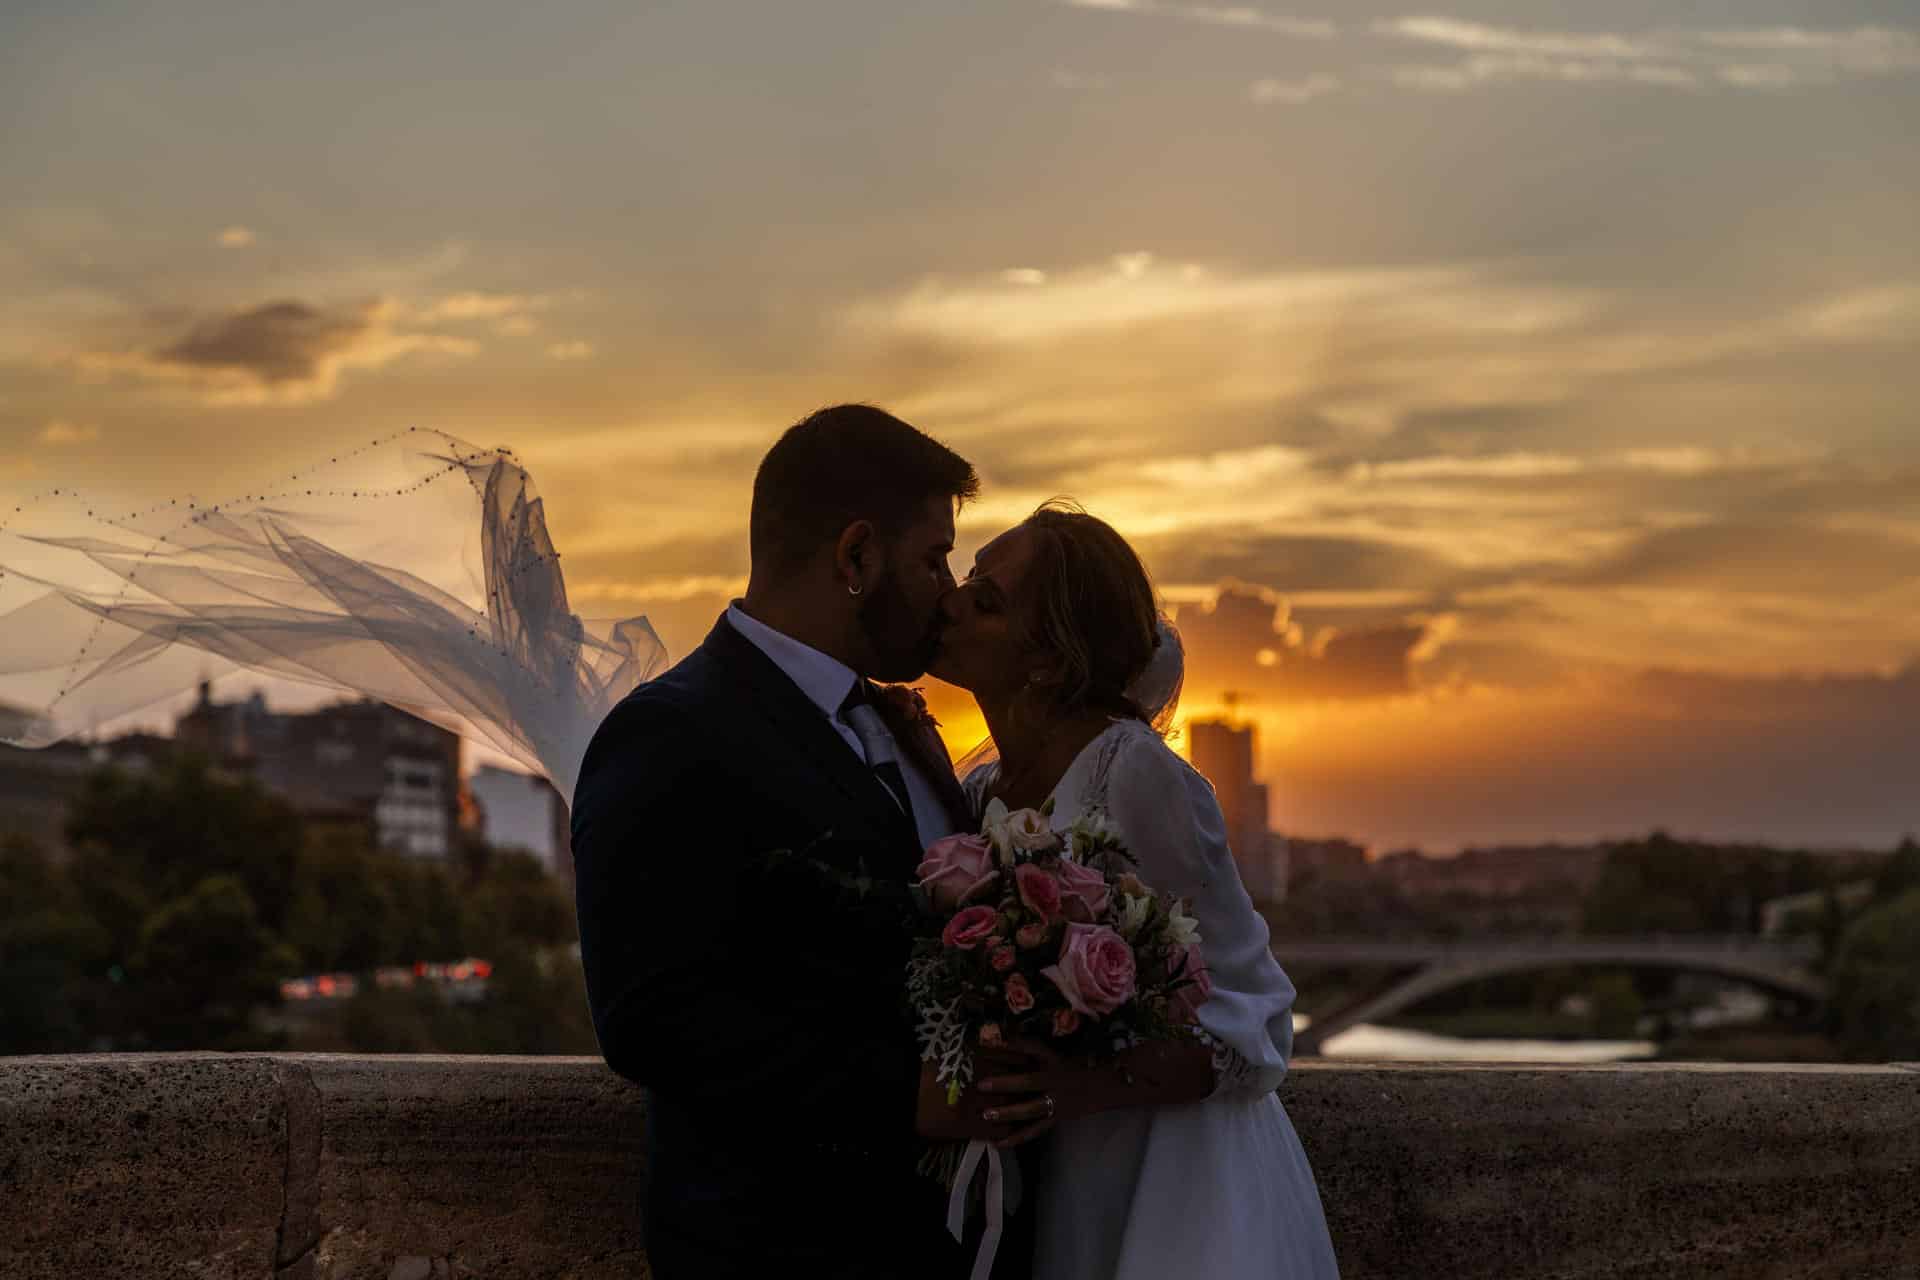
(764, 1013)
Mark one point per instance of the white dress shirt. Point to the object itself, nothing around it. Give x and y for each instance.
(826, 681)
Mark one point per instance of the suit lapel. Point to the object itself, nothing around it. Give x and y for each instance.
(799, 720)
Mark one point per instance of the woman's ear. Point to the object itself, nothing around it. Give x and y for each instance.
(1045, 676)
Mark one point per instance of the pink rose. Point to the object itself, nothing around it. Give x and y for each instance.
(1188, 999)
(1083, 892)
(1095, 972)
(1065, 1022)
(1001, 958)
(1029, 936)
(970, 928)
(991, 1036)
(1019, 994)
(954, 868)
(1038, 890)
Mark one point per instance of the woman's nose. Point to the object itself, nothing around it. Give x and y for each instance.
(953, 604)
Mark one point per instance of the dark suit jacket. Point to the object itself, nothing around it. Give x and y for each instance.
(766, 1018)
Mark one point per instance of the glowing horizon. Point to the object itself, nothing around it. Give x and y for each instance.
(1513, 400)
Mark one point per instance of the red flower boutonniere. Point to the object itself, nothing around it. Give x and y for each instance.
(910, 704)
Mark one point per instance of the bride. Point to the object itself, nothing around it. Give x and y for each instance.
(1191, 1167)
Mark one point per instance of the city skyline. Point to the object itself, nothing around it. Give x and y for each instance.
(1512, 402)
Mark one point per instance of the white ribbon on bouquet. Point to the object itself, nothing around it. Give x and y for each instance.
(1003, 1197)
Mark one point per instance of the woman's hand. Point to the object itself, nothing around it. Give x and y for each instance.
(1039, 1092)
(959, 1121)
(1157, 1073)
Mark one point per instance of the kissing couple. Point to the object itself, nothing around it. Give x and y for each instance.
(751, 833)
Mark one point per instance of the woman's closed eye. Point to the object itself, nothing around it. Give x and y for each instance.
(986, 594)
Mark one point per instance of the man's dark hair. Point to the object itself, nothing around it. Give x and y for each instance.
(842, 464)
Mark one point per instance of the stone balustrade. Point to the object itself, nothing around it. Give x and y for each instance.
(320, 1167)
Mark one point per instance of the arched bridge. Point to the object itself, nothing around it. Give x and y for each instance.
(1780, 966)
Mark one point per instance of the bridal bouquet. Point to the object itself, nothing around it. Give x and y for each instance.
(1053, 939)
(1050, 937)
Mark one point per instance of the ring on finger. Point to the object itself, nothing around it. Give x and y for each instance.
(1048, 1099)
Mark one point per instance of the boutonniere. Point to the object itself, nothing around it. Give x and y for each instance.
(911, 706)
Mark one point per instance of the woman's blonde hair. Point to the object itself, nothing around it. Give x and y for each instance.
(1090, 608)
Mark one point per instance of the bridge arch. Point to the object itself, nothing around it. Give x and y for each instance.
(1452, 968)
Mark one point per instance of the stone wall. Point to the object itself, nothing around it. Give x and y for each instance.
(404, 1168)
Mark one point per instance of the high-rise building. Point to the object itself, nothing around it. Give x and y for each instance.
(520, 811)
(357, 762)
(1224, 753)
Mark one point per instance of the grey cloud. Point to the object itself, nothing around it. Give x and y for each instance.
(1783, 558)
(278, 352)
(1759, 58)
(1295, 562)
(1245, 17)
(695, 556)
(1225, 644)
(276, 342)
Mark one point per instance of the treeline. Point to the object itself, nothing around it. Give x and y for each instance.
(1863, 910)
(1864, 913)
(190, 896)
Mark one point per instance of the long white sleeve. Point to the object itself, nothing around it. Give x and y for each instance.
(1171, 821)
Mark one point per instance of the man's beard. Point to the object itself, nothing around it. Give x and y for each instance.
(902, 642)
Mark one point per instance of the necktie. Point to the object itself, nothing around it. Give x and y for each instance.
(883, 757)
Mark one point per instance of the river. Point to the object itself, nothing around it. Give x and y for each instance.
(1396, 1045)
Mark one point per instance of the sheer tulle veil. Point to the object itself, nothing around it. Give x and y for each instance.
(416, 570)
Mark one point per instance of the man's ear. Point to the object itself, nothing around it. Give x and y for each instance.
(856, 557)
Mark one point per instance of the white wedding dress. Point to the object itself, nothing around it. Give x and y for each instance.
(1210, 1189)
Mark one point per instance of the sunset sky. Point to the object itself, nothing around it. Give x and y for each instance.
(1518, 410)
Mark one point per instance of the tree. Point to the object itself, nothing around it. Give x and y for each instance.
(204, 964)
(517, 904)
(346, 913)
(146, 839)
(433, 918)
(1875, 1000)
(1900, 873)
(52, 957)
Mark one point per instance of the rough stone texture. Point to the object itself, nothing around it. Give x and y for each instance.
(465, 1167)
(1626, 1172)
(330, 1168)
(140, 1165)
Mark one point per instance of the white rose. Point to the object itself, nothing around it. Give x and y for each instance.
(1030, 830)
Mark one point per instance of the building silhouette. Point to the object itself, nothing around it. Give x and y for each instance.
(520, 811)
(362, 764)
(1224, 753)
